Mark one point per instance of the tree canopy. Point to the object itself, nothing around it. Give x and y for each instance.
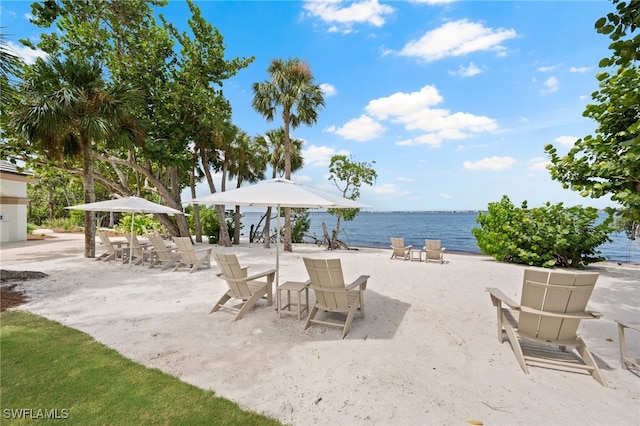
(179, 75)
(608, 162)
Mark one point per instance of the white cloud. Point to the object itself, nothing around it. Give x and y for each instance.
(430, 139)
(456, 39)
(404, 103)
(432, 2)
(567, 141)
(446, 196)
(551, 85)
(27, 54)
(344, 14)
(301, 179)
(579, 69)
(320, 156)
(361, 129)
(414, 110)
(328, 89)
(469, 71)
(547, 69)
(538, 164)
(387, 188)
(405, 179)
(490, 163)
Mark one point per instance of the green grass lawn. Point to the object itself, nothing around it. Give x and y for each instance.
(49, 370)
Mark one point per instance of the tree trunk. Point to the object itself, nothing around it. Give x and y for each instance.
(89, 197)
(267, 227)
(196, 208)
(287, 175)
(334, 236)
(51, 203)
(181, 220)
(223, 239)
(236, 228)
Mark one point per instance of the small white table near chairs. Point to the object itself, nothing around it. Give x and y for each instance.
(288, 287)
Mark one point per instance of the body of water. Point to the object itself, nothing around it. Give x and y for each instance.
(374, 229)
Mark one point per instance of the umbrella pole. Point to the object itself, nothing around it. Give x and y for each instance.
(131, 240)
(278, 247)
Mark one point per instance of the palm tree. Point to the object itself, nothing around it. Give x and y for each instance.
(10, 65)
(248, 165)
(291, 87)
(67, 108)
(274, 141)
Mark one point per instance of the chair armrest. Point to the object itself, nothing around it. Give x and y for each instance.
(360, 281)
(567, 315)
(631, 325)
(208, 250)
(408, 247)
(259, 275)
(497, 296)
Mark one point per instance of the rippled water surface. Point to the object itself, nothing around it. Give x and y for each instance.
(373, 229)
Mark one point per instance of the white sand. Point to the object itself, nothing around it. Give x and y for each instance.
(426, 352)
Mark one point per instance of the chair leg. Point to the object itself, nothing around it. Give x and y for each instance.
(249, 304)
(623, 347)
(350, 315)
(225, 297)
(588, 359)
(312, 314)
(515, 345)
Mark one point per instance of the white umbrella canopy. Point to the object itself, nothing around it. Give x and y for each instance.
(127, 204)
(279, 193)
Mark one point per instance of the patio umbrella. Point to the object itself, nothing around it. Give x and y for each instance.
(279, 193)
(124, 205)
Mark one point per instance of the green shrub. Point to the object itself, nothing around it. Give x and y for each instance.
(31, 227)
(552, 235)
(209, 223)
(300, 225)
(141, 223)
(64, 223)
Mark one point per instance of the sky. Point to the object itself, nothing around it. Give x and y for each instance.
(452, 102)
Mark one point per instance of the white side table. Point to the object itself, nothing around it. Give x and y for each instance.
(290, 286)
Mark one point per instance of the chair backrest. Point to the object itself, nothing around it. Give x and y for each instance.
(327, 273)
(106, 242)
(186, 250)
(553, 291)
(397, 244)
(159, 247)
(233, 273)
(435, 245)
(433, 249)
(135, 244)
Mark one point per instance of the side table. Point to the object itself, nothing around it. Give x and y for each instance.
(416, 255)
(290, 286)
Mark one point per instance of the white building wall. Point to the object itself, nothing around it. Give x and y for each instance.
(13, 204)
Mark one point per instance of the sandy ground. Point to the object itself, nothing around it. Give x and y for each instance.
(426, 352)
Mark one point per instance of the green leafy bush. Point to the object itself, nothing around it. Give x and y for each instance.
(551, 235)
(209, 223)
(64, 223)
(300, 226)
(141, 223)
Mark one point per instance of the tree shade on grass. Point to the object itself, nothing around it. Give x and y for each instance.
(49, 370)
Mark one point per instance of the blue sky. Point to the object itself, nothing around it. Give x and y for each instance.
(453, 100)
